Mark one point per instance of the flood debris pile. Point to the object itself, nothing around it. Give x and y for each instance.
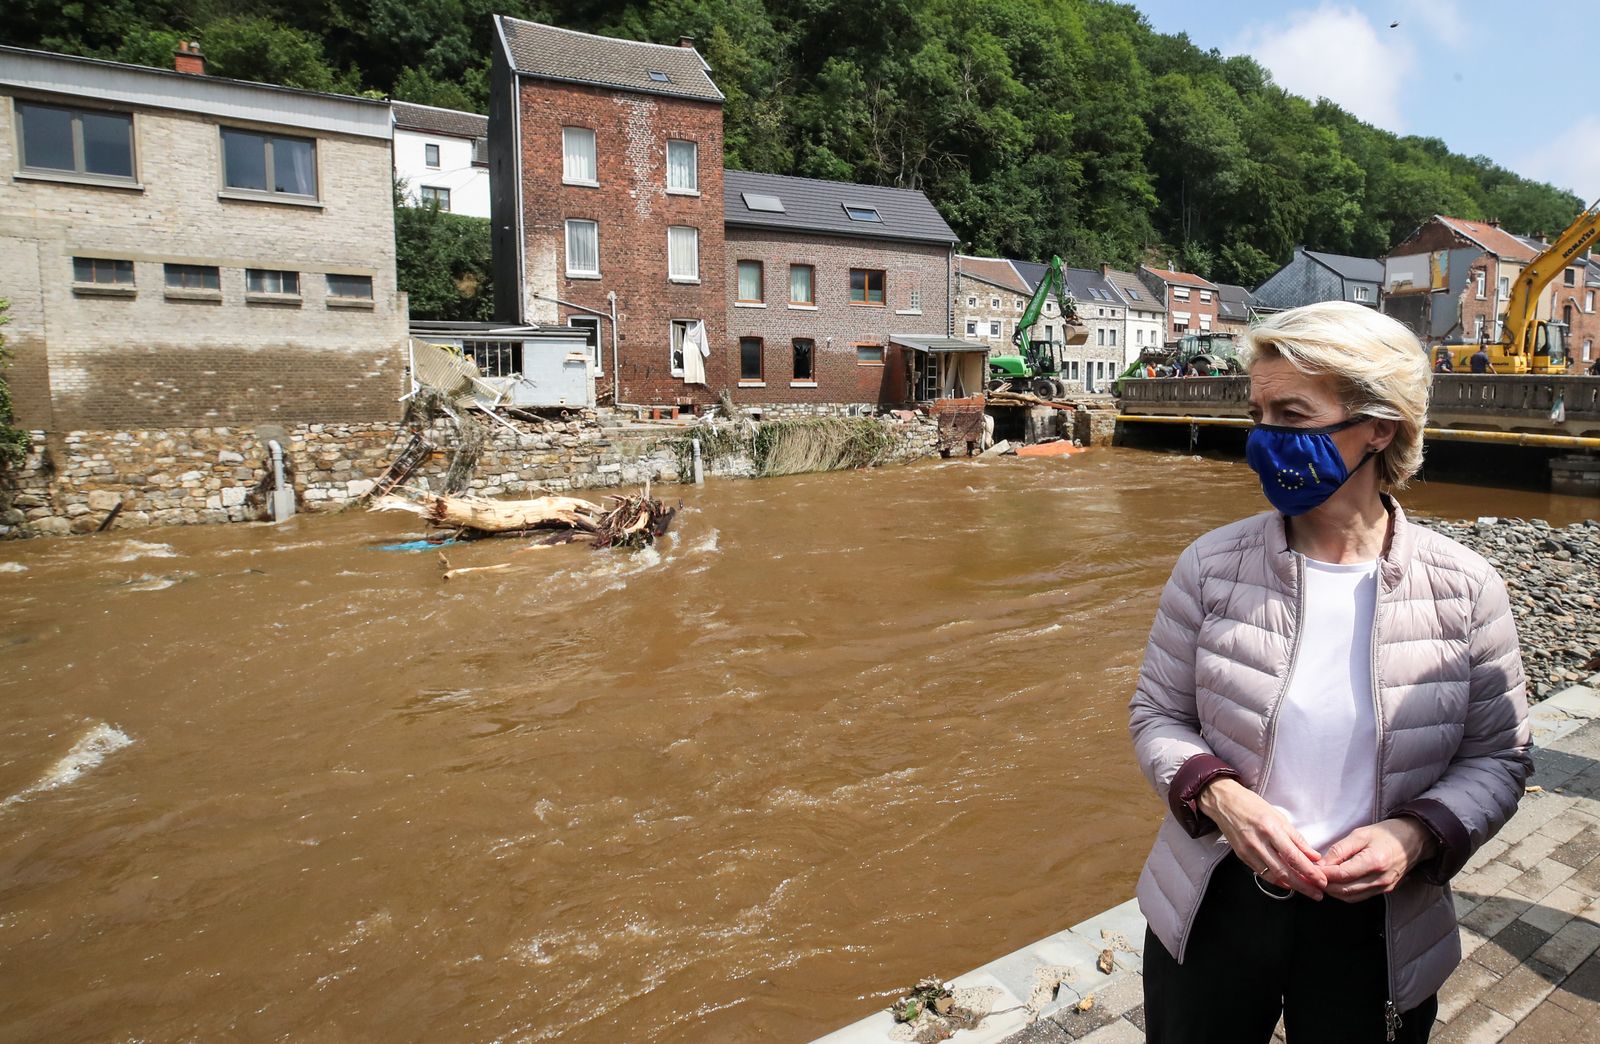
(790, 446)
(932, 1011)
(630, 521)
(1553, 576)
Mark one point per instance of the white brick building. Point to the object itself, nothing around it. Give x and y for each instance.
(184, 250)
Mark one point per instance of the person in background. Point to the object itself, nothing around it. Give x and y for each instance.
(1594, 370)
(1480, 360)
(1442, 362)
(1332, 704)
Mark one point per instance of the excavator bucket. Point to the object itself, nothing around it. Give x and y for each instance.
(1076, 335)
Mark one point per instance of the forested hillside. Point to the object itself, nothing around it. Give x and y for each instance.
(1037, 126)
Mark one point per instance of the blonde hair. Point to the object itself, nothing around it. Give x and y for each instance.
(1380, 368)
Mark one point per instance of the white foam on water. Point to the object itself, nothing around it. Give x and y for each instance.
(86, 754)
(12, 567)
(148, 582)
(707, 543)
(136, 549)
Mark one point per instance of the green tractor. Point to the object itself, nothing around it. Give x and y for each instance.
(1036, 364)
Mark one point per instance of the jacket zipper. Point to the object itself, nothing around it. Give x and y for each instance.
(1391, 1014)
(1272, 738)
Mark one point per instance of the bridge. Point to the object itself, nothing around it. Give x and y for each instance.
(1547, 412)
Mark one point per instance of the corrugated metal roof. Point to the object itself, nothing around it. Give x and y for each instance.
(1497, 241)
(1359, 269)
(924, 343)
(1134, 291)
(811, 205)
(141, 87)
(552, 53)
(996, 271)
(452, 123)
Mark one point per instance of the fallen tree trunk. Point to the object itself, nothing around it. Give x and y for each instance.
(632, 521)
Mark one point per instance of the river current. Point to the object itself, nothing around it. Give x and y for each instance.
(835, 733)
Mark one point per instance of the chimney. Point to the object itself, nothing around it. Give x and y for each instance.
(188, 58)
(686, 41)
(1105, 269)
(1494, 222)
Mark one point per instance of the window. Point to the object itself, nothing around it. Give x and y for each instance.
(1566, 315)
(683, 254)
(430, 156)
(1362, 293)
(1180, 328)
(869, 355)
(102, 271)
(1138, 337)
(994, 302)
(271, 281)
(1113, 338)
(76, 141)
(583, 247)
(914, 303)
(860, 213)
(751, 280)
(1588, 300)
(269, 163)
(1569, 277)
(1505, 287)
(577, 156)
(1181, 293)
(435, 197)
(590, 325)
(1588, 349)
(350, 287)
(494, 358)
(1479, 279)
(972, 327)
(1101, 337)
(972, 302)
(657, 76)
(802, 280)
(805, 350)
(1131, 292)
(995, 327)
(683, 166)
(193, 277)
(866, 286)
(1019, 304)
(764, 203)
(1205, 295)
(680, 331)
(750, 358)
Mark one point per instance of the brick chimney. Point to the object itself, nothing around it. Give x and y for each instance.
(1494, 222)
(686, 41)
(1105, 269)
(188, 58)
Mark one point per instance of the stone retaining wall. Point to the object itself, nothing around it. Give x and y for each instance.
(184, 476)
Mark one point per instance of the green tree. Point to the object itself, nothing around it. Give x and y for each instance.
(442, 262)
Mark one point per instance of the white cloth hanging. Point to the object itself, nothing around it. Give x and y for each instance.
(695, 353)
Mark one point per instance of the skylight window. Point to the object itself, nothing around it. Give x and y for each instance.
(856, 213)
(1131, 292)
(758, 201)
(658, 76)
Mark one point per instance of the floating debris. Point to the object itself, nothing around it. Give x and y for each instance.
(932, 1011)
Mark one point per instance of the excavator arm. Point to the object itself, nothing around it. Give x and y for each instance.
(1053, 282)
(1518, 323)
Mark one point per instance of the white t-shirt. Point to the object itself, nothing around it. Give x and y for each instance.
(1325, 760)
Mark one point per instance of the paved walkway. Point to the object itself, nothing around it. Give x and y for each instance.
(1529, 903)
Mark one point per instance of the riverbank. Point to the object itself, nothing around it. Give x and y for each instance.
(1529, 903)
(72, 482)
(1553, 577)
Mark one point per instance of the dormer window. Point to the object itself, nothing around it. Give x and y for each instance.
(858, 213)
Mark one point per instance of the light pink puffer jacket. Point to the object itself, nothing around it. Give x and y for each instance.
(1451, 710)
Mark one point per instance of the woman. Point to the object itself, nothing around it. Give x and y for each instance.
(1332, 704)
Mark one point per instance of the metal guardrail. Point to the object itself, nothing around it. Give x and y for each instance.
(1458, 399)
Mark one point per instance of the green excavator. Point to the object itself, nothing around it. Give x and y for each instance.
(1036, 364)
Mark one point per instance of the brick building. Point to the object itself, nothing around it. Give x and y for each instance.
(990, 296)
(605, 161)
(441, 158)
(1191, 302)
(835, 292)
(1574, 292)
(1451, 279)
(182, 250)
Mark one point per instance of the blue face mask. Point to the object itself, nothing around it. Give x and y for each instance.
(1299, 467)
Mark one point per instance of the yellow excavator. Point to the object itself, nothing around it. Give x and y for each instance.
(1527, 343)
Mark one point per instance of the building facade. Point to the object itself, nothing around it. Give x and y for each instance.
(1312, 276)
(1234, 307)
(606, 200)
(1144, 314)
(441, 158)
(832, 289)
(184, 251)
(990, 297)
(1191, 302)
(1091, 366)
(1451, 279)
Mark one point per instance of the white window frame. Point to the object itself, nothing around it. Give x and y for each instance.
(694, 167)
(1362, 294)
(1181, 293)
(682, 277)
(972, 326)
(1205, 296)
(1480, 282)
(581, 273)
(672, 329)
(1477, 328)
(432, 148)
(583, 322)
(594, 157)
(997, 328)
(994, 302)
(1588, 301)
(972, 301)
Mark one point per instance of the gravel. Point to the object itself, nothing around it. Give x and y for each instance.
(1553, 576)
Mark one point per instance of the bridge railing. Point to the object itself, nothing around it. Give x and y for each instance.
(1491, 397)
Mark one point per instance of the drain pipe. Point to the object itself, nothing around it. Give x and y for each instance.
(281, 503)
(611, 298)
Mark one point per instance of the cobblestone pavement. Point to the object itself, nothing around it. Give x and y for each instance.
(1529, 903)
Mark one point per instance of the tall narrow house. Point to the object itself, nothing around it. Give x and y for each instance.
(606, 199)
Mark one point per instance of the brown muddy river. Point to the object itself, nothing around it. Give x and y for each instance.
(838, 732)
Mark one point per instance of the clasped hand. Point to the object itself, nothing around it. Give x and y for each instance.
(1369, 861)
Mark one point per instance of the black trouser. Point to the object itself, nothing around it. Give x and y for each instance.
(1321, 965)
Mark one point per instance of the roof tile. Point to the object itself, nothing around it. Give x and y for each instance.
(448, 122)
(1492, 238)
(811, 205)
(552, 53)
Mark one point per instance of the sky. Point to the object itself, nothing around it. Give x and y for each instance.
(1503, 80)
